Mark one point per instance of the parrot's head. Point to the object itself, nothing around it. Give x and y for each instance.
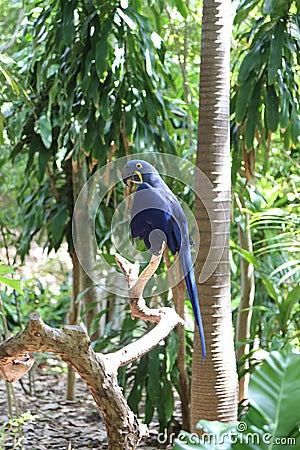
(138, 171)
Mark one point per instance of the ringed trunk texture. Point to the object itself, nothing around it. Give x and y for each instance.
(214, 383)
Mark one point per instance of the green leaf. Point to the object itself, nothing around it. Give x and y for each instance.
(93, 90)
(287, 137)
(275, 387)
(153, 375)
(252, 115)
(10, 80)
(270, 288)
(53, 92)
(68, 20)
(243, 97)
(275, 8)
(5, 269)
(165, 403)
(102, 47)
(1, 128)
(181, 6)
(293, 297)
(149, 410)
(293, 271)
(126, 19)
(236, 155)
(135, 395)
(250, 62)
(171, 351)
(15, 284)
(275, 58)
(284, 266)
(272, 113)
(101, 54)
(57, 226)
(269, 421)
(284, 114)
(248, 256)
(81, 295)
(42, 161)
(273, 416)
(45, 129)
(295, 126)
(243, 10)
(167, 400)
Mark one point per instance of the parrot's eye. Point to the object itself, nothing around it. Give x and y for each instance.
(139, 165)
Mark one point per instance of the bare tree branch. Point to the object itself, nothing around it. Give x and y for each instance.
(166, 318)
(13, 39)
(99, 371)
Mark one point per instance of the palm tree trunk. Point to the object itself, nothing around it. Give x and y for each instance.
(214, 383)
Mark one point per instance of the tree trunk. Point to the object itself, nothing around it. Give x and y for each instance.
(81, 281)
(245, 307)
(84, 233)
(73, 318)
(74, 313)
(214, 383)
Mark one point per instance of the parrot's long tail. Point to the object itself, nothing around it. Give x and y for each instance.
(187, 267)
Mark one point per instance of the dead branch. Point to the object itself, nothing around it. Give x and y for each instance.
(99, 371)
(166, 318)
(13, 39)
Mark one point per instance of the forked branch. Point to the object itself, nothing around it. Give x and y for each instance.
(166, 318)
(99, 371)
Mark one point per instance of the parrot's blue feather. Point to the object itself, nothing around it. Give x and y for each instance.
(187, 267)
(157, 216)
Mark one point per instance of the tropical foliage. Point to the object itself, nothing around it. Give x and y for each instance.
(267, 422)
(93, 81)
(266, 91)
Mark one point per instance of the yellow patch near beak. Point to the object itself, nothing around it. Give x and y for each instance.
(139, 175)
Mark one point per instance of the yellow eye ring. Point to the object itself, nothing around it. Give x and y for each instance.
(138, 165)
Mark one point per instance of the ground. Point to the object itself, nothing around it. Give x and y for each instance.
(53, 422)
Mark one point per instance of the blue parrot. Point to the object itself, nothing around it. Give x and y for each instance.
(157, 216)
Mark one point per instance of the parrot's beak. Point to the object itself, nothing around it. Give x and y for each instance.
(129, 176)
(126, 181)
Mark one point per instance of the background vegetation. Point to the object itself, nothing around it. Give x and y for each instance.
(82, 83)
